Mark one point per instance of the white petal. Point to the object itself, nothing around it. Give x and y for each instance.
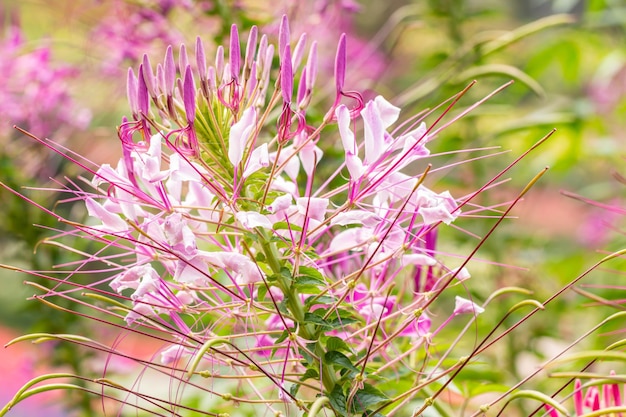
(464, 306)
(239, 135)
(419, 259)
(347, 136)
(111, 222)
(462, 275)
(280, 203)
(362, 217)
(314, 208)
(388, 112)
(252, 219)
(258, 159)
(351, 239)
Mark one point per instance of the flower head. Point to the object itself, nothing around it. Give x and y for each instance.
(229, 231)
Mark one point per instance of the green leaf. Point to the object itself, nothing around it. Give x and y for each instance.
(340, 318)
(315, 319)
(294, 389)
(308, 359)
(308, 283)
(286, 226)
(338, 401)
(324, 299)
(309, 278)
(311, 273)
(310, 374)
(336, 343)
(285, 272)
(282, 337)
(339, 360)
(261, 292)
(368, 413)
(367, 397)
(339, 322)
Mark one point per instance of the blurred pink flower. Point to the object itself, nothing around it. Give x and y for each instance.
(35, 93)
(325, 21)
(143, 29)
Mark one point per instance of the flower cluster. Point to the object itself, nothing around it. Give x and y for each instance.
(229, 233)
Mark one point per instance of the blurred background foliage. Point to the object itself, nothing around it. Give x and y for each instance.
(568, 61)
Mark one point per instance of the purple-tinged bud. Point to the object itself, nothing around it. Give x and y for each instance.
(189, 95)
(235, 53)
(211, 80)
(340, 63)
(227, 74)
(615, 393)
(260, 55)
(131, 91)
(578, 398)
(267, 65)
(283, 35)
(219, 63)
(251, 46)
(253, 80)
(170, 71)
(298, 52)
(183, 60)
(160, 78)
(179, 88)
(286, 75)
(311, 66)
(200, 59)
(302, 90)
(143, 99)
(148, 76)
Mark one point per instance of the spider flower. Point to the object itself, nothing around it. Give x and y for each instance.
(229, 233)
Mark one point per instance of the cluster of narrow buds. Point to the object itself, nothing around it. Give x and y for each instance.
(596, 398)
(226, 229)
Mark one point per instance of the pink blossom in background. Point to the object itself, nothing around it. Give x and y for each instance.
(35, 92)
(599, 225)
(325, 21)
(608, 88)
(143, 29)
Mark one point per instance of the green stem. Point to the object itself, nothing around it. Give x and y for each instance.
(295, 307)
